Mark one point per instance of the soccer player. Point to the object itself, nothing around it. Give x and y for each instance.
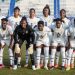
(6, 36)
(15, 19)
(42, 40)
(66, 24)
(32, 21)
(13, 22)
(71, 42)
(48, 20)
(58, 39)
(23, 32)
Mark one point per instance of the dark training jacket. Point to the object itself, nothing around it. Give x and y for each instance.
(24, 34)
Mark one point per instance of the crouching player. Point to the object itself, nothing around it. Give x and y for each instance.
(6, 36)
(58, 39)
(42, 40)
(22, 33)
(71, 42)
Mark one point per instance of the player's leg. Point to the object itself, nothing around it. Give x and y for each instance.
(46, 56)
(38, 53)
(27, 58)
(2, 44)
(57, 57)
(66, 56)
(53, 52)
(63, 57)
(17, 48)
(42, 58)
(70, 51)
(72, 59)
(70, 54)
(46, 53)
(10, 52)
(31, 53)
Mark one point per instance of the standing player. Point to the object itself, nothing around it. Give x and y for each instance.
(22, 33)
(14, 21)
(6, 36)
(32, 21)
(58, 39)
(48, 19)
(65, 25)
(42, 40)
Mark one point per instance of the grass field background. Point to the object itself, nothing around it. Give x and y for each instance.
(29, 71)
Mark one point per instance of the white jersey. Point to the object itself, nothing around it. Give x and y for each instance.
(14, 21)
(42, 35)
(47, 20)
(72, 33)
(5, 34)
(59, 34)
(66, 23)
(33, 22)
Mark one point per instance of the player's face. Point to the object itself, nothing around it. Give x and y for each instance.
(63, 14)
(40, 27)
(16, 12)
(46, 11)
(58, 24)
(32, 13)
(4, 23)
(23, 24)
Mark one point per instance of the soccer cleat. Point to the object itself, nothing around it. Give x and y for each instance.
(33, 67)
(19, 65)
(56, 66)
(72, 66)
(68, 68)
(38, 67)
(15, 67)
(51, 68)
(26, 65)
(45, 67)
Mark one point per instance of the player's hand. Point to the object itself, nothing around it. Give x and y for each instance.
(17, 48)
(30, 49)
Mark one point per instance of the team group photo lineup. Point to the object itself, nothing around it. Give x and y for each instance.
(49, 42)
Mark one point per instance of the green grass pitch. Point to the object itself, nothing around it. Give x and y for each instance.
(29, 71)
